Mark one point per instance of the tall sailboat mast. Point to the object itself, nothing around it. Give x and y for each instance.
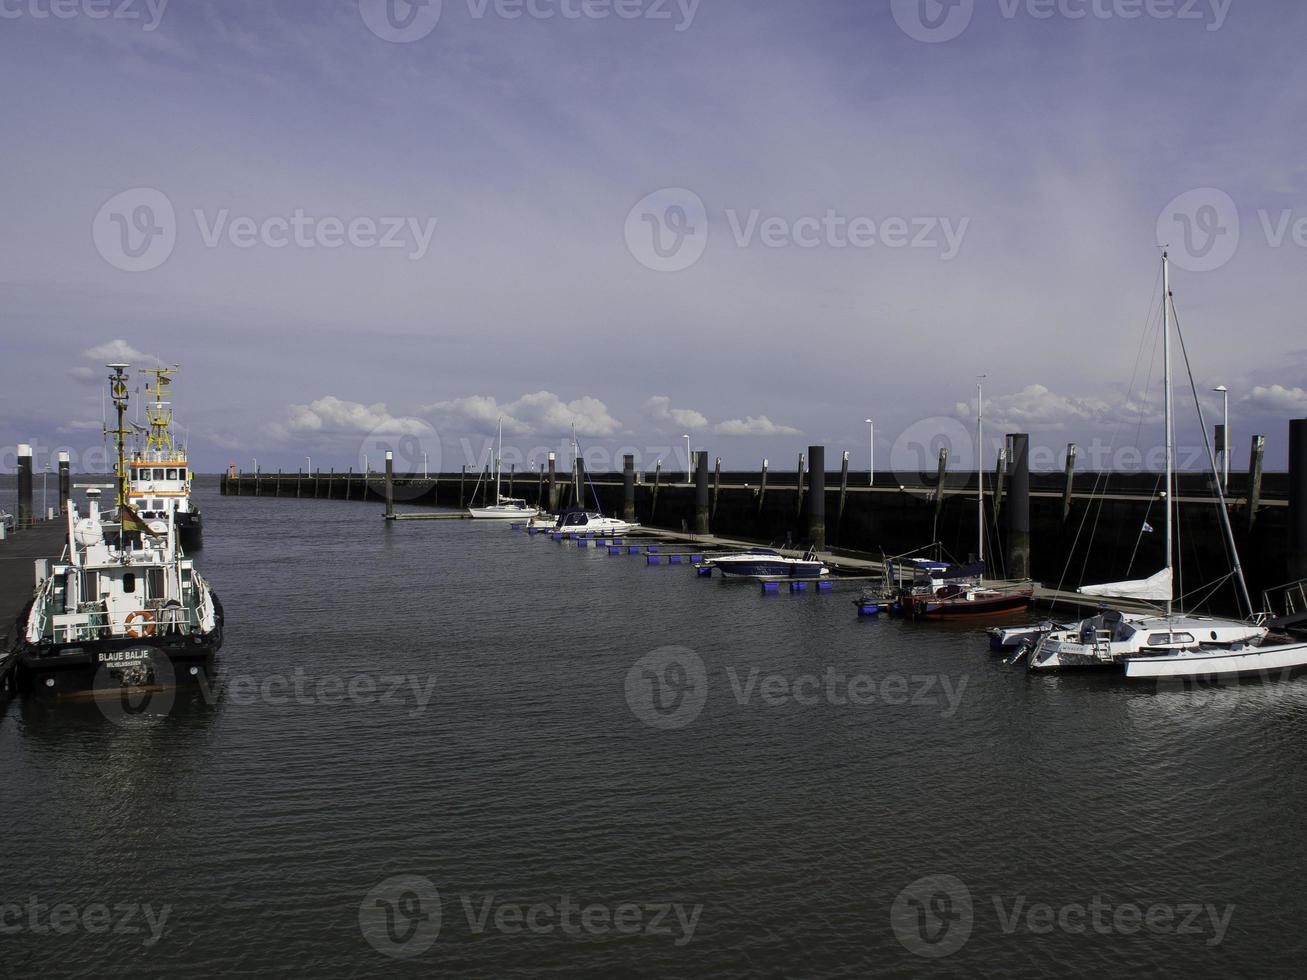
(576, 468)
(1170, 421)
(980, 470)
(499, 459)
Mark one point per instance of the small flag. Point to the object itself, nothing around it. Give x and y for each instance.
(1148, 528)
(131, 521)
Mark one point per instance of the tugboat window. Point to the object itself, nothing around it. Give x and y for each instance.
(129, 583)
(172, 474)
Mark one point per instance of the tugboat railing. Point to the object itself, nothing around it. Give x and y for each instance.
(162, 621)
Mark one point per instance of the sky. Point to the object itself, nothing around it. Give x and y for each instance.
(365, 224)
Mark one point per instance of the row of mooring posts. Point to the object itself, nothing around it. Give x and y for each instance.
(25, 510)
(1011, 492)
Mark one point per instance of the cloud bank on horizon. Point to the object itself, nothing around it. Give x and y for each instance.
(756, 225)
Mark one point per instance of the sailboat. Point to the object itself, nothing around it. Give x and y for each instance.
(504, 508)
(964, 594)
(1143, 643)
(579, 519)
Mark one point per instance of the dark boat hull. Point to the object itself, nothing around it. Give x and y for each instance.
(765, 569)
(930, 607)
(190, 530)
(110, 666)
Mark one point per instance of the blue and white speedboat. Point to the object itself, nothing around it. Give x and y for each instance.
(765, 563)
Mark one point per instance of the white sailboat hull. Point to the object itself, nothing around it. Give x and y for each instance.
(502, 513)
(1220, 663)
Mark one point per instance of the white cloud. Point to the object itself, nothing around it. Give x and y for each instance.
(540, 413)
(1037, 407)
(81, 425)
(116, 351)
(759, 425)
(659, 409)
(331, 415)
(1279, 400)
(84, 374)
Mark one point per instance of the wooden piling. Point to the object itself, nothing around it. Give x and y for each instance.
(702, 520)
(462, 481)
(1000, 474)
(762, 487)
(1255, 478)
(1018, 515)
(817, 497)
(844, 489)
(65, 482)
(658, 475)
(628, 488)
(1298, 499)
(390, 484)
(24, 515)
(1070, 480)
(798, 503)
(940, 474)
(716, 486)
(553, 483)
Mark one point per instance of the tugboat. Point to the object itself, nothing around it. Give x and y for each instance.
(157, 475)
(121, 609)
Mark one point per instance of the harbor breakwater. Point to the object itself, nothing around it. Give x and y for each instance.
(1062, 529)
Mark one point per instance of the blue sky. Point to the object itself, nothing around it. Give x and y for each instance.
(867, 221)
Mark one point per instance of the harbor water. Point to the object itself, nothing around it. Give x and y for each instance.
(447, 748)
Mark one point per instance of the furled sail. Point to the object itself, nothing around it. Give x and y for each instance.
(1155, 589)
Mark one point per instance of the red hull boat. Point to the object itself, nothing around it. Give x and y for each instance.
(960, 601)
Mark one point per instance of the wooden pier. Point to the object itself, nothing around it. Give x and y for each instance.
(43, 539)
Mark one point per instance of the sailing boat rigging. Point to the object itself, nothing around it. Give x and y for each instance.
(1113, 637)
(971, 596)
(581, 520)
(504, 508)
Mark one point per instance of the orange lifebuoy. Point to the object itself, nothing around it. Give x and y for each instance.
(146, 630)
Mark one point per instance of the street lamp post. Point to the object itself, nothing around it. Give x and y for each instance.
(1225, 437)
(871, 458)
(689, 462)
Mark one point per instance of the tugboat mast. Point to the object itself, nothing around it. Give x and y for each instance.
(118, 389)
(158, 438)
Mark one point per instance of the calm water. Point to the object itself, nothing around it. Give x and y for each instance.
(523, 771)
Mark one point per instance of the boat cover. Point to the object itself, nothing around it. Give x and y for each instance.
(1155, 589)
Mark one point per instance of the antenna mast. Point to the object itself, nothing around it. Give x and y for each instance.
(118, 389)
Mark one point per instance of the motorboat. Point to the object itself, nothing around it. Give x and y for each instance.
(590, 522)
(767, 563)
